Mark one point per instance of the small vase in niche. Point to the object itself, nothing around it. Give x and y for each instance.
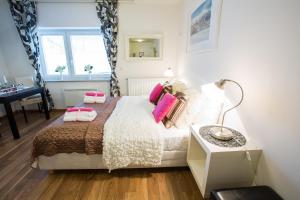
(89, 68)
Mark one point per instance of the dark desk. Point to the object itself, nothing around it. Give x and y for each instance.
(7, 98)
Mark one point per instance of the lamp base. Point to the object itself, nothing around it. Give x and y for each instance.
(224, 134)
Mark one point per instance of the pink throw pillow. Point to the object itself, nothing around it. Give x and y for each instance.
(155, 93)
(87, 109)
(94, 94)
(163, 107)
(73, 109)
(76, 109)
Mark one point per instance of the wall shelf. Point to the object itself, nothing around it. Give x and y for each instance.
(216, 167)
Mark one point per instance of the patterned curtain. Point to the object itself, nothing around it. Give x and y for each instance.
(107, 11)
(25, 18)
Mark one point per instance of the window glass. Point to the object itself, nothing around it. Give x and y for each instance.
(76, 48)
(54, 53)
(89, 50)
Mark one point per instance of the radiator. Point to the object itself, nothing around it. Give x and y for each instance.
(142, 86)
(75, 96)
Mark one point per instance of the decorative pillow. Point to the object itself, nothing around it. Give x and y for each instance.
(178, 86)
(211, 105)
(163, 107)
(156, 93)
(193, 97)
(202, 108)
(168, 87)
(163, 92)
(175, 112)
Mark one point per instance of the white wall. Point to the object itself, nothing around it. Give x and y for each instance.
(3, 71)
(259, 47)
(12, 47)
(3, 67)
(134, 18)
(67, 15)
(57, 88)
(148, 19)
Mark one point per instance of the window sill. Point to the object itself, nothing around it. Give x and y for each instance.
(99, 80)
(95, 78)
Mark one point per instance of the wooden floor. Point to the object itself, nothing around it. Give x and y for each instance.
(19, 181)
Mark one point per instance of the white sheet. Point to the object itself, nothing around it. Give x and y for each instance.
(131, 135)
(175, 139)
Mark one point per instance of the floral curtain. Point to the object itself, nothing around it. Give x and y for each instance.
(107, 11)
(25, 17)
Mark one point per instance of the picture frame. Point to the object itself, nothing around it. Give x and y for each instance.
(143, 47)
(204, 25)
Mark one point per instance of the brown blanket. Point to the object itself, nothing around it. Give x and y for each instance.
(69, 137)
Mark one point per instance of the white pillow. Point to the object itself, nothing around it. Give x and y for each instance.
(193, 97)
(178, 86)
(202, 108)
(211, 104)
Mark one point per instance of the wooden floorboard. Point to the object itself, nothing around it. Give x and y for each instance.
(19, 181)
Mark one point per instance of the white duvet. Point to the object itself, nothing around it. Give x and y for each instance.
(132, 136)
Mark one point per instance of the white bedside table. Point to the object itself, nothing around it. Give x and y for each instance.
(215, 167)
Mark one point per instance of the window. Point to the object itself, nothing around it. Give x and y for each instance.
(73, 49)
(54, 53)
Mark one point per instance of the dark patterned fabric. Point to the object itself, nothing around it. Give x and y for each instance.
(25, 18)
(107, 11)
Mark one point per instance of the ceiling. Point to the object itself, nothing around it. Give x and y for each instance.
(158, 1)
(122, 1)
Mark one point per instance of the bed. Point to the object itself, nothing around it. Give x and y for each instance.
(131, 117)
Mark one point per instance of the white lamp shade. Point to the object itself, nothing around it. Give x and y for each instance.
(213, 92)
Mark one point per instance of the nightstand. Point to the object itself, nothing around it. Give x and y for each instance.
(215, 167)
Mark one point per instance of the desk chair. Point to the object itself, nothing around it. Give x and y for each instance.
(28, 81)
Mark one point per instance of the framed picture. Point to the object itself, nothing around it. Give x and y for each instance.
(204, 26)
(143, 47)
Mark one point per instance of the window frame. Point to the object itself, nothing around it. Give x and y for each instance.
(71, 76)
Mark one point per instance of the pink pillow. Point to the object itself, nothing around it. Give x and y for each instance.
(163, 107)
(87, 109)
(93, 94)
(155, 93)
(76, 109)
(73, 109)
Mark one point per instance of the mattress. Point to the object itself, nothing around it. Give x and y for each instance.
(63, 161)
(175, 139)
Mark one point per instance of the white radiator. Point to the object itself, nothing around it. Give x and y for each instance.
(75, 96)
(142, 86)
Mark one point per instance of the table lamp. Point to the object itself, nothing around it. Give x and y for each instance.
(225, 133)
(169, 73)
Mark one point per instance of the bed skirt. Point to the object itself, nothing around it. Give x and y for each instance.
(73, 161)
